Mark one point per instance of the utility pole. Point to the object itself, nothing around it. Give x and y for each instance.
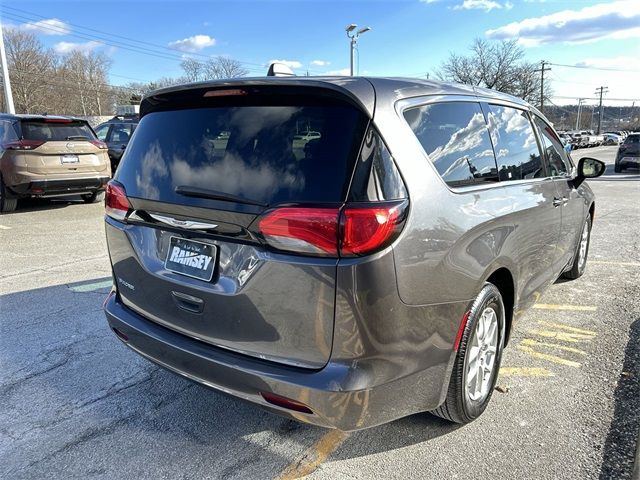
(601, 91)
(543, 68)
(579, 112)
(8, 97)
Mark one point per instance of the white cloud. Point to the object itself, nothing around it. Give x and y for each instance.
(288, 63)
(486, 5)
(618, 63)
(51, 26)
(194, 43)
(340, 73)
(320, 63)
(617, 20)
(67, 47)
(429, 1)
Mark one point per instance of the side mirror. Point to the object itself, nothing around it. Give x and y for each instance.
(588, 168)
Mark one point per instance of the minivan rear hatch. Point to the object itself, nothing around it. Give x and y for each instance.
(203, 168)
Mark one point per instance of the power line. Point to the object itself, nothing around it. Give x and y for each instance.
(606, 69)
(169, 54)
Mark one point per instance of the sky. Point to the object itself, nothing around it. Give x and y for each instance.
(146, 40)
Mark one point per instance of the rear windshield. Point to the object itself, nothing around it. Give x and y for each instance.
(268, 154)
(54, 131)
(632, 139)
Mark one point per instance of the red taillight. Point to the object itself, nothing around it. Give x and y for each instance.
(116, 204)
(358, 230)
(285, 402)
(229, 92)
(101, 145)
(366, 229)
(305, 230)
(23, 145)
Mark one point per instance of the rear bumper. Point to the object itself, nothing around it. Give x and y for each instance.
(62, 186)
(328, 392)
(628, 160)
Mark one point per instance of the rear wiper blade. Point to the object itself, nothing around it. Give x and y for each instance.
(215, 195)
(76, 137)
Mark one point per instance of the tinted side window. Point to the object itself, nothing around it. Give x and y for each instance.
(515, 144)
(7, 132)
(455, 137)
(555, 153)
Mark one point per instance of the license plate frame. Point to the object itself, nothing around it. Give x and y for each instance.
(69, 159)
(185, 261)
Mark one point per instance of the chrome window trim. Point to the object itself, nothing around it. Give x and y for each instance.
(412, 102)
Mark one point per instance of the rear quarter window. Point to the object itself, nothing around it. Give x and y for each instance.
(456, 139)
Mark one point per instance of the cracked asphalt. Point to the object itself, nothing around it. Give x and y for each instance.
(75, 403)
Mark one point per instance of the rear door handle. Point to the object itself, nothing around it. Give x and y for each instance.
(188, 302)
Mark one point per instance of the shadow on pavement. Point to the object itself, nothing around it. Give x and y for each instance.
(620, 445)
(38, 204)
(72, 392)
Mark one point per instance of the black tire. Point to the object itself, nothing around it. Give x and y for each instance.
(459, 407)
(7, 202)
(94, 197)
(579, 266)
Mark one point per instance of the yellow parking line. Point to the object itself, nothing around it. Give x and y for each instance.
(562, 336)
(525, 372)
(577, 308)
(622, 264)
(545, 356)
(534, 343)
(314, 455)
(567, 327)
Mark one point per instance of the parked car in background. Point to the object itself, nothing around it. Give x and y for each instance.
(567, 141)
(116, 133)
(49, 156)
(372, 273)
(579, 140)
(628, 153)
(612, 139)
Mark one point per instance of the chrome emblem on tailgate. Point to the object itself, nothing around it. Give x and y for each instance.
(188, 224)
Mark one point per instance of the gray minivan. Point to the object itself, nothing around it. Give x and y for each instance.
(348, 278)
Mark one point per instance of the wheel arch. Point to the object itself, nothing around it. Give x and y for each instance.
(503, 279)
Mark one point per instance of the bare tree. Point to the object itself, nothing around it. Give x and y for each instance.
(29, 67)
(213, 68)
(496, 65)
(194, 71)
(225, 67)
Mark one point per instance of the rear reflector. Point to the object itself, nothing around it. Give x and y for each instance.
(284, 402)
(116, 204)
(120, 335)
(23, 145)
(463, 324)
(101, 145)
(358, 229)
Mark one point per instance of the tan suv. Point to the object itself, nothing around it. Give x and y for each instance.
(47, 156)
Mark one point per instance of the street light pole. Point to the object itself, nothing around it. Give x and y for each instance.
(8, 97)
(353, 39)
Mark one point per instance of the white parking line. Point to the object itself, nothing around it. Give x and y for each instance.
(3, 227)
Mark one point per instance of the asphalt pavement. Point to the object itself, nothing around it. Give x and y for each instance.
(76, 403)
